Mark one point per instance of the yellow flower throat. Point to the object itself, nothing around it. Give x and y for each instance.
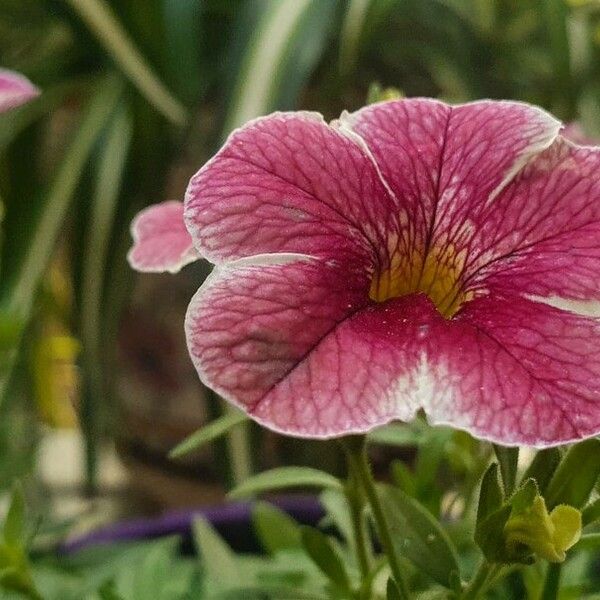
(438, 276)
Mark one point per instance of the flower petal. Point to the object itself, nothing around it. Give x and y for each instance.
(519, 372)
(161, 241)
(541, 235)
(288, 183)
(15, 89)
(448, 162)
(297, 347)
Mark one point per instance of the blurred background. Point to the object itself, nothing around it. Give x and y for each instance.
(96, 385)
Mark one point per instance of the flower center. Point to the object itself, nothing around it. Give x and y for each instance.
(438, 276)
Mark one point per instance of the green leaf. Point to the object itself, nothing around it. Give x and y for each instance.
(403, 477)
(489, 535)
(14, 524)
(591, 513)
(18, 292)
(523, 498)
(508, 458)
(18, 295)
(588, 541)
(337, 514)
(284, 46)
(275, 529)
(542, 467)
(285, 477)
(396, 434)
(219, 561)
(576, 475)
(104, 203)
(352, 28)
(209, 433)
(490, 494)
(98, 16)
(321, 551)
(418, 536)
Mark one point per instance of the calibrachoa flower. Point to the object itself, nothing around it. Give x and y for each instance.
(409, 256)
(15, 89)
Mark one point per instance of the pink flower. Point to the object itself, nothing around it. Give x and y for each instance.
(161, 241)
(410, 256)
(15, 90)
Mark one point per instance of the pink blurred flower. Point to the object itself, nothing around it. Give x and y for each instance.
(409, 256)
(161, 240)
(15, 89)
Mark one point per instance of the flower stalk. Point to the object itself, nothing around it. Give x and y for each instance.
(358, 463)
(355, 499)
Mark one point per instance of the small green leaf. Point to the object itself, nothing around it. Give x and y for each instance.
(14, 525)
(490, 495)
(418, 536)
(284, 477)
(489, 535)
(275, 529)
(209, 433)
(542, 467)
(523, 498)
(219, 561)
(576, 475)
(323, 554)
(508, 459)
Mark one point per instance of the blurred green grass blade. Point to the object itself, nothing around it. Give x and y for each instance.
(555, 15)
(100, 19)
(352, 28)
(183, 32)
(287, 30)
(18, 297)
(209, 433)
(109, 178)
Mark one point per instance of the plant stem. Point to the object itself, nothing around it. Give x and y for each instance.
(552, 583)
(479, 584)
(358, 462)
(361, 539)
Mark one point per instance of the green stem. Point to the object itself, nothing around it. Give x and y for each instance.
(361, 539)
(480, 582)
(552, 583)
(358, 461)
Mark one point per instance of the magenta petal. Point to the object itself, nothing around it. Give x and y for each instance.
(447, 162)
(161, 241)
(298, 347)
(519, 372)
(289, 183)
(541, 235)
(15, 89)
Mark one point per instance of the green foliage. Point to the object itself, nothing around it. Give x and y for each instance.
(419, 537)
(275, 529)
(282, 478)
(209, 433)
(576, 475)
(324, 555)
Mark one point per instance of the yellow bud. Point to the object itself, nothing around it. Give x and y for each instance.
(549, 535)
